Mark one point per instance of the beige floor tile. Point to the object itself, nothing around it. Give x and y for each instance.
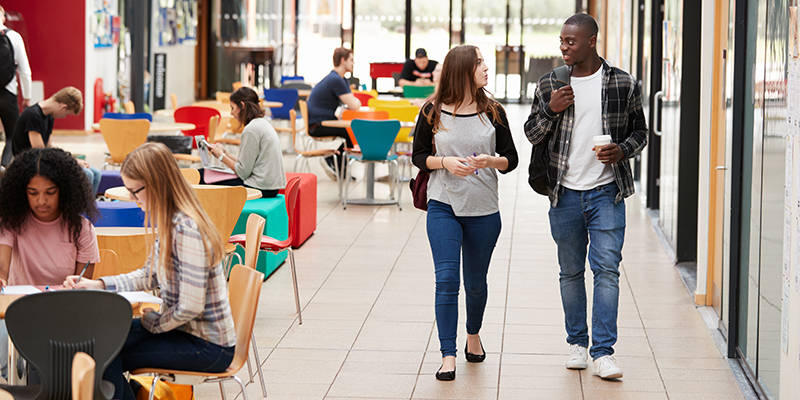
(377, 386)
(623, 395)
(539, 394)
(429, 388)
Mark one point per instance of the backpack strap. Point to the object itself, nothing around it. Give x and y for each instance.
(562, 76)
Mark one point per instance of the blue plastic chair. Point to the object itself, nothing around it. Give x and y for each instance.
(286, 78)
(375, 138)
(286, 96)
(141, 115)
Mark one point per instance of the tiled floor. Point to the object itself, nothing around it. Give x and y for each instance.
(366, 287)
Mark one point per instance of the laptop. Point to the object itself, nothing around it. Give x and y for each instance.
(202, 150)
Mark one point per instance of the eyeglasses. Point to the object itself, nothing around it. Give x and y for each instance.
(135, 192)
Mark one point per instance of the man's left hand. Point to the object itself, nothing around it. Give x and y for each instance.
(610, 154)
(25, 103)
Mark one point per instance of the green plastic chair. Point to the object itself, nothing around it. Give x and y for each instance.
(418, 92)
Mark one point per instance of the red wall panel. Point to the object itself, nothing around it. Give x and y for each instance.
(56, 46)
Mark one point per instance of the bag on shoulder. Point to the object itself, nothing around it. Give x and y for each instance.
(540, 155)
(419, 189)
(8, 67)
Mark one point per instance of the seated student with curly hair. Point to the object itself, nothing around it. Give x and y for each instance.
(44, 233)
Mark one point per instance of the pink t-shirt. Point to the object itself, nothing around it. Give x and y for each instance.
(44, 253)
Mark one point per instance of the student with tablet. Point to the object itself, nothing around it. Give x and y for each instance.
(259, 164)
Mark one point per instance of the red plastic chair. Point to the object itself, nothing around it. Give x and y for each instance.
(198, 116)
(363, 98)
(275, 246)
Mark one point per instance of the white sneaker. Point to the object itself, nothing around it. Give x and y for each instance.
(606, 368)
(328, 168)
(577, 357)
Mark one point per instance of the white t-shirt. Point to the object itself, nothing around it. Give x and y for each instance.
(584, 171)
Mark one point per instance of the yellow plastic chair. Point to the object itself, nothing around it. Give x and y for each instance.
(191, 175)
(244, 289)
(122, 137)
(399, 102)
(82, 376)
(223, 204)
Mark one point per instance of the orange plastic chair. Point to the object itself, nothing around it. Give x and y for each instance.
(199, 116)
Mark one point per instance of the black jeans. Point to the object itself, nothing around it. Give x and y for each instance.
(238, 182)
(9, 112)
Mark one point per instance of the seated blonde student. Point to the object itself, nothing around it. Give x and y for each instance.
(194, 331)
(44, 234)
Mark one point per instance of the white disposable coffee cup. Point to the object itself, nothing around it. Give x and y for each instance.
(600, 141)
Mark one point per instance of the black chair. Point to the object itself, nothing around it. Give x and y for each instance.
(49, 328)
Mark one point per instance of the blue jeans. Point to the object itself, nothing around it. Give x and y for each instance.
(171, 350)
(590, 218)
(94, 175)
(453, 238)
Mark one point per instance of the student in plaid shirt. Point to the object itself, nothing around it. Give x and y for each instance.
(194, 331)
(587, 188)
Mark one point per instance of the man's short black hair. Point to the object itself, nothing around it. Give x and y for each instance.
(583, 21)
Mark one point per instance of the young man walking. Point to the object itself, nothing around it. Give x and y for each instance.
(587, 186)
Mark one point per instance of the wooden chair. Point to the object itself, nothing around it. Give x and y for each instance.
(224, 127)
(191, 158)
(304, 155)
(224, 97)
(237, 85)
(82, 376)
(129, 107)
(191, 175)
(5, 395)
(130, 244)
(122, 137)
(244, 288)
(173, 98)
(108, 265)
(223, 204)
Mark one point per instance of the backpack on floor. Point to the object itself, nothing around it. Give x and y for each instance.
(8, 67)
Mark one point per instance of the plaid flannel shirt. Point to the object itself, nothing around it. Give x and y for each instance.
(195, 299)
(623, 119)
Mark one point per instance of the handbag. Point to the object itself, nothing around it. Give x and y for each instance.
(540, 155)
(419, 186)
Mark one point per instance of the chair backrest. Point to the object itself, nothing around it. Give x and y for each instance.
(418, 92)
(173, 98)
(142, 115)
(107, 265)
(379, 102)
(129, 107)
(222, 127)
(199, 116)
(253, 234)
(286, 78)
(375, 137)
(82, 376)
(237, 85)
(292, 188)
(244, 288)
(5, 395)
(191, 175)
(123, 136)
(293, 123)
(296, 85)
(223, 97)
(353, 114)
(223, 204)
(363, 98)
(213, 125)
(401, 113)
(49, 328)
(286, 96)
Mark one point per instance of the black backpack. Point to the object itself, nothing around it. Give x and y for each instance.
(8, 67)
(540, 155)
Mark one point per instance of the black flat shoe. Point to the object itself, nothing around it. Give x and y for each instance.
(445, 376)
(475, 358)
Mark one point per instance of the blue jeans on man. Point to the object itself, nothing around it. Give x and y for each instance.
(582, 219)
(453, 238)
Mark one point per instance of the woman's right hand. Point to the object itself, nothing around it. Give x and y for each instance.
(84, 283)
(458, 166)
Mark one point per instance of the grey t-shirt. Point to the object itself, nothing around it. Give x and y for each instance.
(260, 162)
(463, 136)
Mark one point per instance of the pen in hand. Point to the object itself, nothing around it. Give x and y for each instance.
(475, 155)
(82, 272)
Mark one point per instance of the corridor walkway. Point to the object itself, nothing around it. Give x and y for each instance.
(369, 332)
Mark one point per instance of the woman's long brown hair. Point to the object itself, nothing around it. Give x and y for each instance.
(458, 79)
(167, 193)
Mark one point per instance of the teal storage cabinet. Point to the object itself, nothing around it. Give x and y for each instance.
(274, 211)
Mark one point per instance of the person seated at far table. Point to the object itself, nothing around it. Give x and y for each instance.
(35, 125)
(194, 331)
(259, 164)
(437, 72)
(325, 98)
(44, 233)
(418, 71)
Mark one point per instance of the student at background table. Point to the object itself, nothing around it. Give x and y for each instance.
(44, 233)
(419, 71)
(259, 164)
(194, 332)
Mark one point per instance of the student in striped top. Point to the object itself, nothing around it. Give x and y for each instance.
(194, 331)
